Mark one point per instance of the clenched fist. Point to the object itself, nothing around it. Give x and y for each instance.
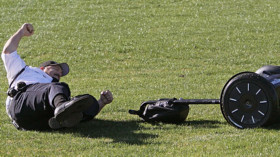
(106, 97)
(27, 29)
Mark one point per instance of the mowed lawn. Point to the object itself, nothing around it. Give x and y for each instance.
(145, 50)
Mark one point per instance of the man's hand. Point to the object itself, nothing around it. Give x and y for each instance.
(27, 29)
(106, 97)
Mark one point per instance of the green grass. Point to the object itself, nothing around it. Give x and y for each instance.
(140, 50)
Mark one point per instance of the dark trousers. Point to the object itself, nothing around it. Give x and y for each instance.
(32, 107)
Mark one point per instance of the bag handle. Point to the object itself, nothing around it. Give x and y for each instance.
(142, 107)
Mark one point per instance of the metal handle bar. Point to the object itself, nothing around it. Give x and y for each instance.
(197, 101)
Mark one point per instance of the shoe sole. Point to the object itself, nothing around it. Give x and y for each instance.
(71, 121)
(78, 104)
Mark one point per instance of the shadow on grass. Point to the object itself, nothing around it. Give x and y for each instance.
(203, 123)
(127, 131)
(274, 126)
(195, 124)
(118, 131)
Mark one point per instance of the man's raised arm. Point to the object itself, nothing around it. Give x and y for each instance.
(12, 44)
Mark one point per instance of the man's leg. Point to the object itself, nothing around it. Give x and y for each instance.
(32, 108)
(69, 113)
(106, 97)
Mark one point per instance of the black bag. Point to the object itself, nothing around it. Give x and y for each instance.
(162, 110)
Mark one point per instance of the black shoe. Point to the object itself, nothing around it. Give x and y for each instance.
(71, 121)
(68, 111)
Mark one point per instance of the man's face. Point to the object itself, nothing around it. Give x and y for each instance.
(54, 71)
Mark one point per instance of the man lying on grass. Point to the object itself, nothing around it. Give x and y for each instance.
(37, 100)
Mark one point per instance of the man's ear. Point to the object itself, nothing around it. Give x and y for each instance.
(42, 68)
